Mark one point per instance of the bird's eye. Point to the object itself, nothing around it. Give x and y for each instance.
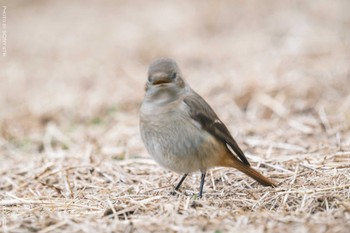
(173, 76)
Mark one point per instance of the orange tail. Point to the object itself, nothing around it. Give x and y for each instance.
(251, 172)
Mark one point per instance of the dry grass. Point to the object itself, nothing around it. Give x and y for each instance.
(71, 158)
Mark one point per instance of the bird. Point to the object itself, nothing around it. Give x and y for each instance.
(182, 132)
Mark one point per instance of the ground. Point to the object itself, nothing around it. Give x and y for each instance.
(72, 80)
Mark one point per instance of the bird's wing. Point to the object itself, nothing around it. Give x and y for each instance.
(201, 112)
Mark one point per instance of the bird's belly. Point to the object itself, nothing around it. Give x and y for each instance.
(179, 145)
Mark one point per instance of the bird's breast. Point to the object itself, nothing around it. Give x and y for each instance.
(175, 141)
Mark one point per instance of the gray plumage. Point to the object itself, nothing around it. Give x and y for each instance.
(179, 128)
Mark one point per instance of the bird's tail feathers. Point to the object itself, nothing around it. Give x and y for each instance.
(246, 169)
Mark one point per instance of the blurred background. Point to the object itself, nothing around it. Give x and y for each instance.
(84, 63)
(72, 81)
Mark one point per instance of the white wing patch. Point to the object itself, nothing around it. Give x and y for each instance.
(217, 121)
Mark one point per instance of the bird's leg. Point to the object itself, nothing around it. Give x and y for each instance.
(202, 184)
(181, 181)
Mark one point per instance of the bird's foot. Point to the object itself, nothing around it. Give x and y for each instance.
(173, 193)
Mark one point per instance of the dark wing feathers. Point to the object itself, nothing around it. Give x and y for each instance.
(201, 112)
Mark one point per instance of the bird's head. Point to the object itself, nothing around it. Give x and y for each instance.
(164, 82)
(164, 73)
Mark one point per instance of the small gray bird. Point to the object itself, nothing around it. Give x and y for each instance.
(182, 132)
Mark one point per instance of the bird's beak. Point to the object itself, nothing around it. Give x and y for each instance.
(161, 81)
(159, 77)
